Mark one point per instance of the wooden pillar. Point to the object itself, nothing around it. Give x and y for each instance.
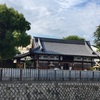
(34, 60)
(34, 64)
(25, 63)
(91, 62)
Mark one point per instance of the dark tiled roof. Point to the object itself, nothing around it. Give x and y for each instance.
(22, 55)
(62, 47)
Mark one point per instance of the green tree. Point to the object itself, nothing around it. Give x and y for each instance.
(13, 27)
(97, 37)
(73, 37)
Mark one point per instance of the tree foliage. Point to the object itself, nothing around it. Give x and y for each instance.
(97, 37)
(73, 37)
(13, 27)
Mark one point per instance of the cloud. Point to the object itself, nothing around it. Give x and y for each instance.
(59, 18)
(70, 3)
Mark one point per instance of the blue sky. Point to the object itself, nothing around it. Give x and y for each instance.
(59, 18)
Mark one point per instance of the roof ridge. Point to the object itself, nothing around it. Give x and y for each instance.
(60, 40)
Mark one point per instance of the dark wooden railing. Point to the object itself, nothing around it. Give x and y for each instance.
(11, 74)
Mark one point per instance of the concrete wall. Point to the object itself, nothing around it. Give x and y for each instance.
(42, 90)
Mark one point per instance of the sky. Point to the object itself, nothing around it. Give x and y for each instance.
(59, 18)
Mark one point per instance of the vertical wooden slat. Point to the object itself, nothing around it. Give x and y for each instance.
(38, 74)
(69, 75)
(30, 75)
(47, 75)
(54, 74)
(93, 75)
(75, 76)
(11, 73)
(82, 64)
(80, 75)
(62, 75)
(20, 74)
(99, 76)
(1, 74)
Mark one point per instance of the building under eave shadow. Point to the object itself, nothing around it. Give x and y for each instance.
(49, 53)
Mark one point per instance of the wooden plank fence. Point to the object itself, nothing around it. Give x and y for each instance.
(11, 74)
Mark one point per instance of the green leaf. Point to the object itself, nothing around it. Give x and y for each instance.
(13, 27)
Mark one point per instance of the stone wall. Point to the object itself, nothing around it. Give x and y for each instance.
(51, 90)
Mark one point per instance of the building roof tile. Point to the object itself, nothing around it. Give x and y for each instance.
(63, 47)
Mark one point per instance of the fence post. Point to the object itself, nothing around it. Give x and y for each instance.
(75, 76)
(11, 74)
(62, 75)
(55, 74)
(38, 74)
(69, 74)
(20, 74)
(87, 75)
(30, 74)
(47, 74)
(1, 74)
(99, 75)
(80, 75)
(93, 75)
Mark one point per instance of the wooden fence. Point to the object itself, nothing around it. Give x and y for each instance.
(10, 74)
